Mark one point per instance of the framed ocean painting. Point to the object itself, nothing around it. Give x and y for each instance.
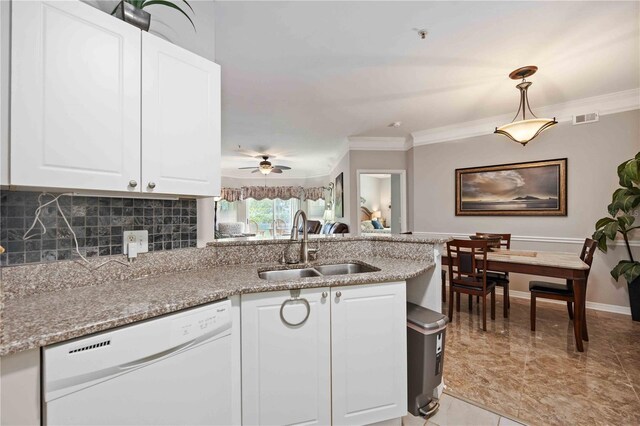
(536, 188)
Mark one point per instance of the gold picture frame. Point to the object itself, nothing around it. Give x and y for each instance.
(536, 188)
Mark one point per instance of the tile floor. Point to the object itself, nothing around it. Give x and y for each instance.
(456, 412)
(539, 377)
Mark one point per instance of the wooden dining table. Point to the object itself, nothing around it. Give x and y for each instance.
(567, 266)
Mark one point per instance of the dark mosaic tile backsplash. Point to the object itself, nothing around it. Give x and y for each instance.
(98, 223)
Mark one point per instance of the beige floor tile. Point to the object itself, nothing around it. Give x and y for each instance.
(455, 412)
(539, 377)
(504, 421)
(410, 420)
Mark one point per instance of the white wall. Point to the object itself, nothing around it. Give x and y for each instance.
(171, 25)
(377, 193)
(593, 151)
(370, 191)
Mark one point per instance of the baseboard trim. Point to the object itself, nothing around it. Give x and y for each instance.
(604, 307)
(531, 238)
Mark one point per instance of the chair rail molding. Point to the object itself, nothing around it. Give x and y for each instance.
(530, 238)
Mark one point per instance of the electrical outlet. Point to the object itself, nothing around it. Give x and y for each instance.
(141, 238)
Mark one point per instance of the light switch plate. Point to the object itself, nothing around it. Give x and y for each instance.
(141, 238)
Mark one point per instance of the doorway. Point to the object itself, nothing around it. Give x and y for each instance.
(382, 201)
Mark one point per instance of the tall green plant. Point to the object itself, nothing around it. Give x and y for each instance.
(141, 4)
(622, 211)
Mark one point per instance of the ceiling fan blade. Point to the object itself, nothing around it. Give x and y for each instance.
(283, 167)
(255, 171)
(246, 168)
(276, 170)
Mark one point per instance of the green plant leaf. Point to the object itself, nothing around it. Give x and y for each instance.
(185, 2)
(625, 221)
(604, 221)
(630, 270)
(169, 4)
(625, 199)
(601, 239)
(610, 230)
(629, 172)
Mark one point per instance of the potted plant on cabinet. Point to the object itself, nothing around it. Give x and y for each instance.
(131, 11)
(623, 212)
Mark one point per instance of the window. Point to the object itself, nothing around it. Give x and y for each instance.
(315, 209)
(268, 218)
(227, 212)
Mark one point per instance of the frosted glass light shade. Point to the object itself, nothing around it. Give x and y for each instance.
(525, 130)
(328, 215)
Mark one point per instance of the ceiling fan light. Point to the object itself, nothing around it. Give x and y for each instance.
(265, 170)
(525, 130)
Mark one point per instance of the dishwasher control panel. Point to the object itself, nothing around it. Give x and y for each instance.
(200, 323)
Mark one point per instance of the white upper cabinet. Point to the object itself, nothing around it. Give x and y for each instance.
(99, 105)
(75, 112)
(180, 120)
(369, 353)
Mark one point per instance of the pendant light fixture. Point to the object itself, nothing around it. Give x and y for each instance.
(526, 129)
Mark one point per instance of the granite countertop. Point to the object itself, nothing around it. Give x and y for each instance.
(53, 317)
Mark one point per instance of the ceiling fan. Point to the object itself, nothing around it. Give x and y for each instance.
(265, 167)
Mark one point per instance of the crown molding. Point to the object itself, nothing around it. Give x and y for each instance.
(610, 103)
(377, 143)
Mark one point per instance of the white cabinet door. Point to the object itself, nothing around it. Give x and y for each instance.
(180, 120)
(369, 353)
(75, 107)
(285, 368)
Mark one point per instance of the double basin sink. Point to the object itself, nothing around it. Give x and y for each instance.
(316, 271)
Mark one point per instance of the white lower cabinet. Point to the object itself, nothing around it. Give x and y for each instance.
(369, 353)
(286, 369)
(344, 364)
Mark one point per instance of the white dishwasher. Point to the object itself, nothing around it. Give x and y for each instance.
(173, 370)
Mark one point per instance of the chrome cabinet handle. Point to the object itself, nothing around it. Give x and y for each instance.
(338, 293)
(324, 294)
(133, 183)
(152, 185)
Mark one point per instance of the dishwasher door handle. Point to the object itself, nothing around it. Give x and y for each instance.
(159, 355)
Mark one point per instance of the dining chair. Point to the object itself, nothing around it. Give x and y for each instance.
(468, 276)
(558, 291)
(500, 278)
(281, 227)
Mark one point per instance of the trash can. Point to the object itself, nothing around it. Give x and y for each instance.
(426, 330)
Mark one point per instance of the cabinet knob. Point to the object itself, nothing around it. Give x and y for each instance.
(338, 293)
(152, 185)
(133, 183)
(324, 294)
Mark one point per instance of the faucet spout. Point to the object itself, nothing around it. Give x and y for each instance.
(295, 235)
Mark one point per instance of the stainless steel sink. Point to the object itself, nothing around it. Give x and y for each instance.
(336, 269)
(345, 269)
(288, 274)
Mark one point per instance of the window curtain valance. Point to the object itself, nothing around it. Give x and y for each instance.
(231, 194)
(272, 192)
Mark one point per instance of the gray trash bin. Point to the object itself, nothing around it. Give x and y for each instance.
(426, 331)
